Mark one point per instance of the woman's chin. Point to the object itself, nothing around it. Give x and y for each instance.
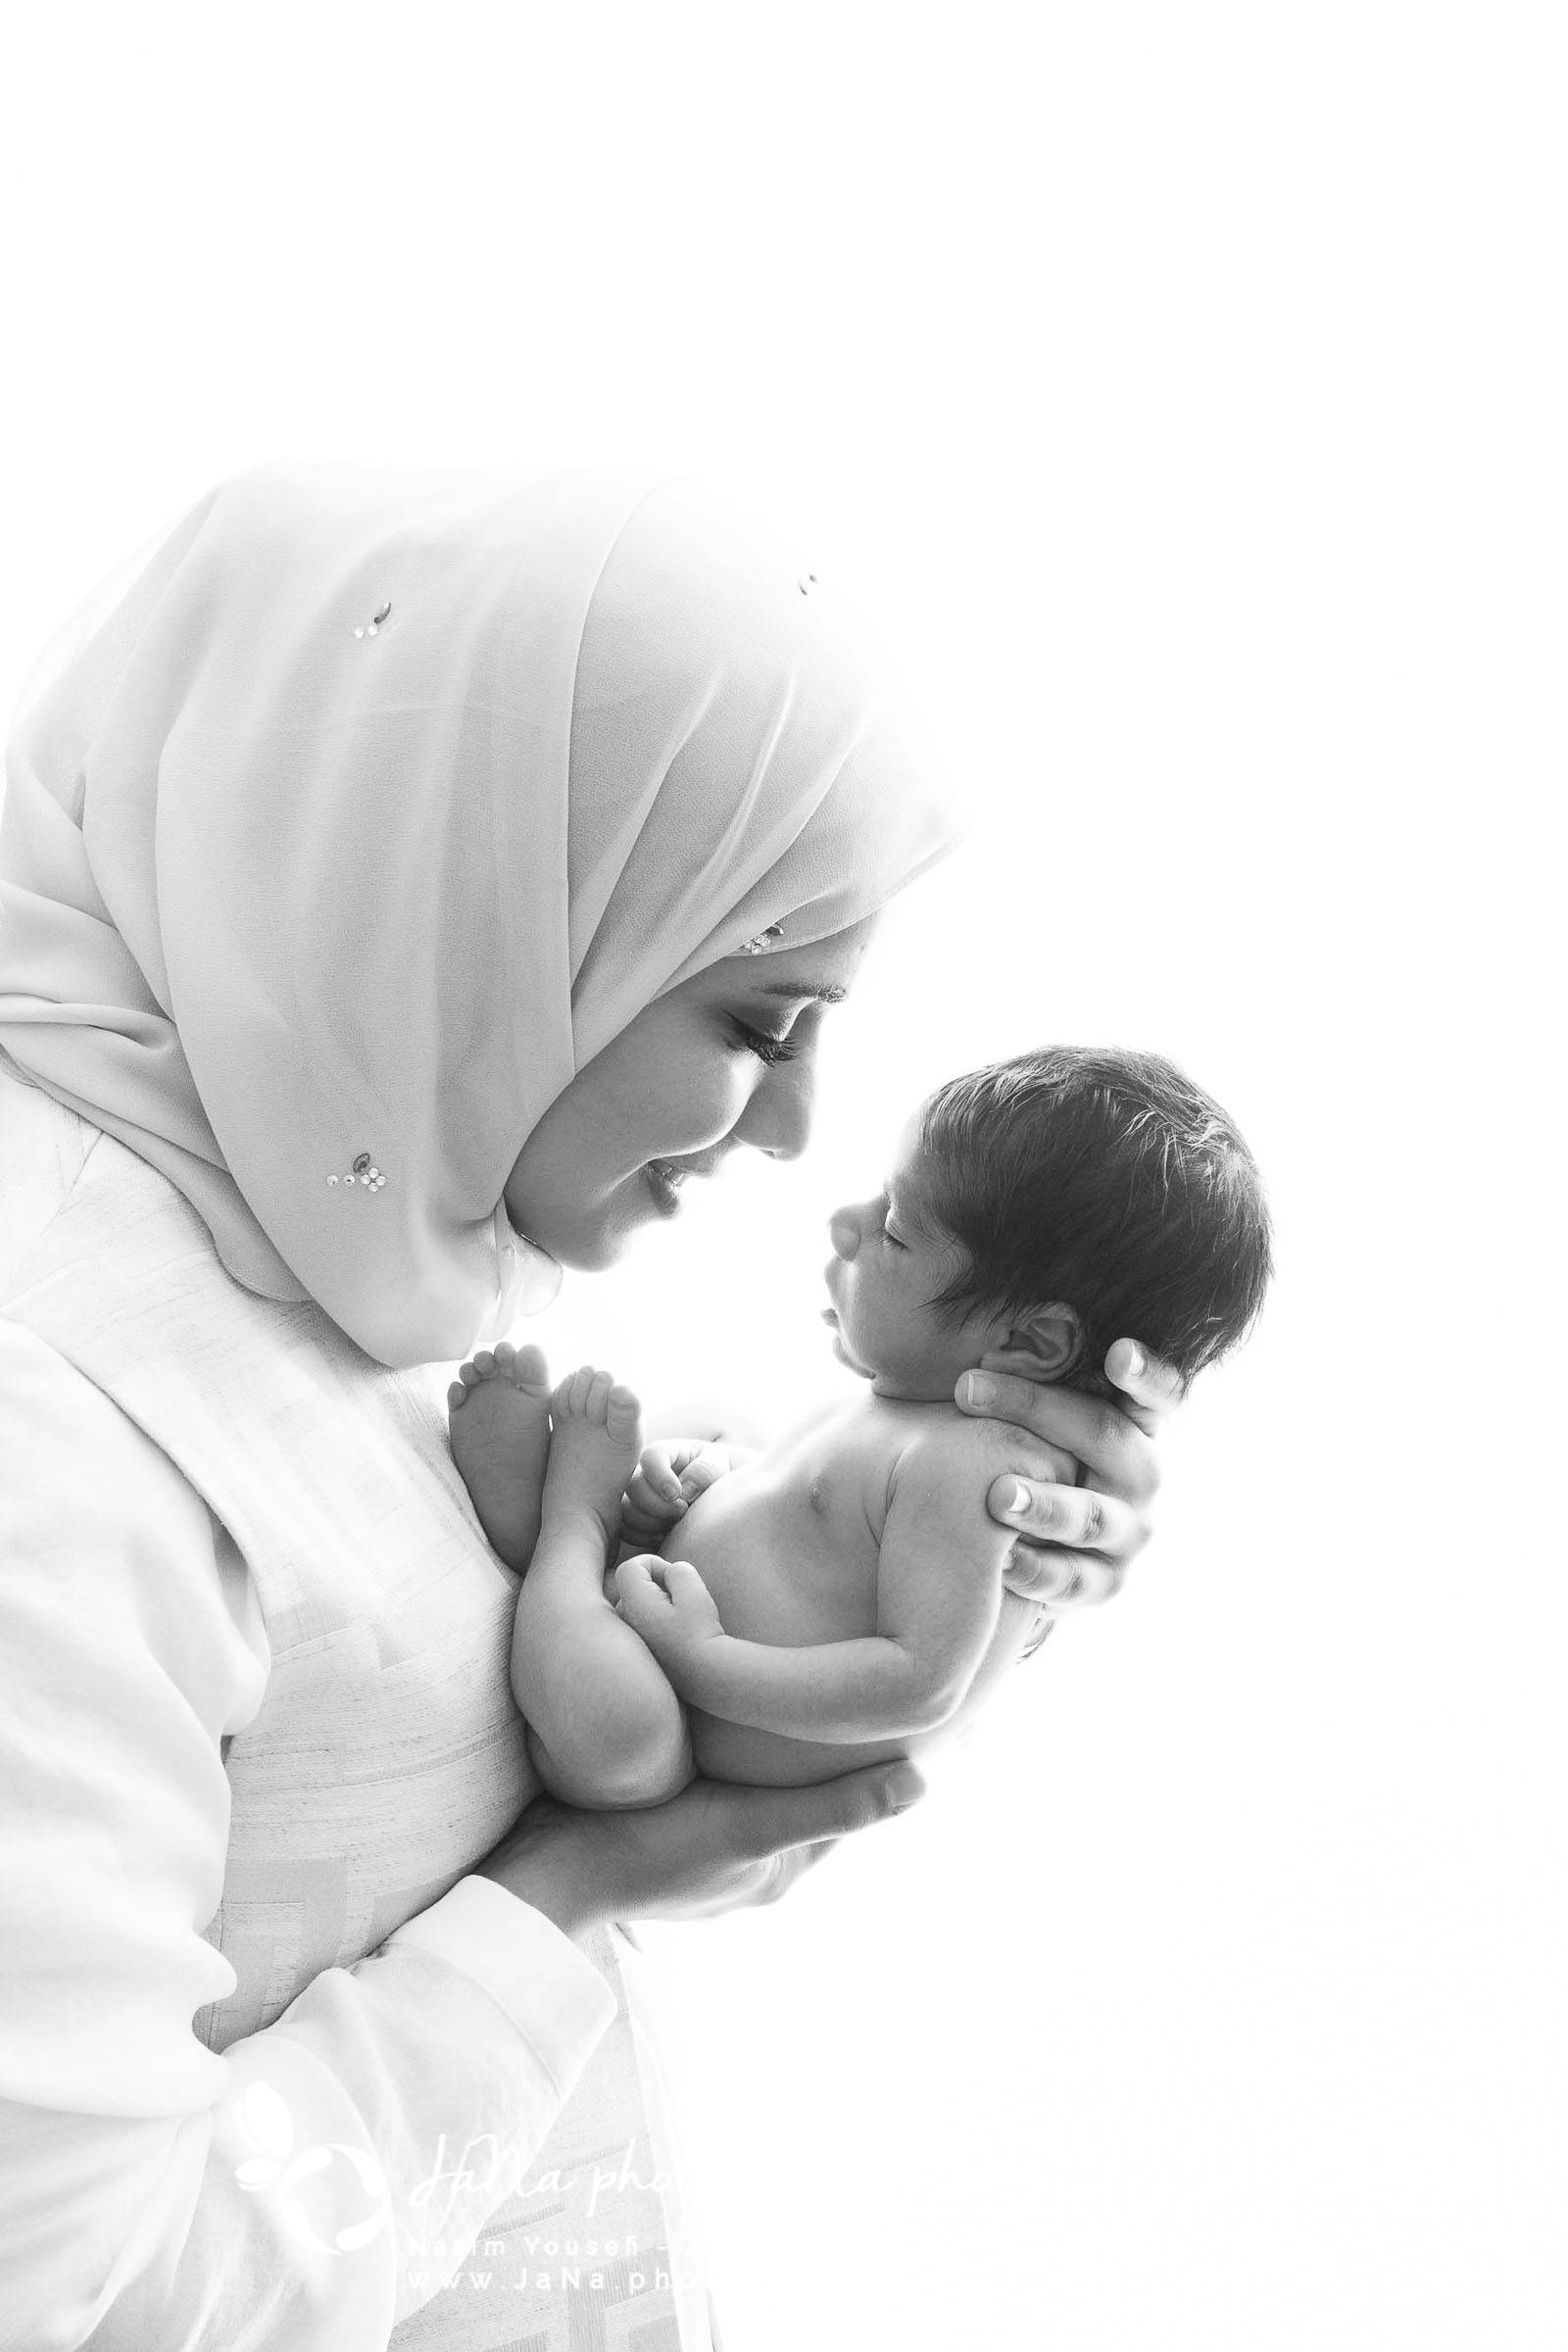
(590, 1253)
(589, 1244)
(590, 1249)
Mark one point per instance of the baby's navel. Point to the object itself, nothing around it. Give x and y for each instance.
(816, 1493)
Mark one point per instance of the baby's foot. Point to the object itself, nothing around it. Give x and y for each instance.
(498, 1416)
(595, 1441)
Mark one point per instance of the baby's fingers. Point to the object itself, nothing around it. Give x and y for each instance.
(690, 1598)
(644, 1603)
(649, 1505)
(657, 1473)
(698, 1476)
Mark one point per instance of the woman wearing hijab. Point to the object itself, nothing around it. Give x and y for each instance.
(347, 835)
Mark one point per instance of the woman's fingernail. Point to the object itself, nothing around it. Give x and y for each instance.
(1135, 1360)
(980, 1388)
(1019, 1498)
(904, 1787)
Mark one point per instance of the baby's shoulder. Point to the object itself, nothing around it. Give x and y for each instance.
(941, 1430)
(947, 1448)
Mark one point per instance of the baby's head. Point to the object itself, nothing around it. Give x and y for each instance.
(1042, 1208)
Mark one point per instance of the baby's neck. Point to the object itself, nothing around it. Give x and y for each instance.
(910, 1395)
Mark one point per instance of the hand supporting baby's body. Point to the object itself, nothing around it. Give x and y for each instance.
(831, 1601)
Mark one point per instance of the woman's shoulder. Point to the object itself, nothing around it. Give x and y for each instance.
(44, 1151)
(96, 1521)
(62, 1437)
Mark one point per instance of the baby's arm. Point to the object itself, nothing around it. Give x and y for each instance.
(939, 1598)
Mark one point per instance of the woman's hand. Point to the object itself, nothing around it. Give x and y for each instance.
(711, 1848)
(1078, 1534)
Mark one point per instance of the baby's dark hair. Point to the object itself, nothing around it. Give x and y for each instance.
(1105, 1181)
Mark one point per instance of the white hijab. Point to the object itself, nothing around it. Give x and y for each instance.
(283, 884)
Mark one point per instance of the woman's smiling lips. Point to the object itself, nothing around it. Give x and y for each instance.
(665, 1178)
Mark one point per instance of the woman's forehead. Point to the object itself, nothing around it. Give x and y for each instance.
(822, 969)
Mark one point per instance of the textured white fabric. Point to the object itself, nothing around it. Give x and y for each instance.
(277, 891)
(517, 1954)
(130, 1650)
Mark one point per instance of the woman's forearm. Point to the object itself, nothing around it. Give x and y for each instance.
(153, 2191)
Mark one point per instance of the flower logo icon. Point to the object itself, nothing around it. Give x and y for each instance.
(268, 2127)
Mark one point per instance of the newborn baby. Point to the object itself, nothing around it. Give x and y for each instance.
(837, 1597)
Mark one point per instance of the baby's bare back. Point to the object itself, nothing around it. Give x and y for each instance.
(788, 1547)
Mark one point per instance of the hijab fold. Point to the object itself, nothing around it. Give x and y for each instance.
(281, 888)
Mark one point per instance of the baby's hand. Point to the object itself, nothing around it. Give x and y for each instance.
(667, 1603)
(665, 1484)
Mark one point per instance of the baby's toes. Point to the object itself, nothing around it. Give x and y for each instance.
(622, 1418)
(531, 1371)
(571, 1394)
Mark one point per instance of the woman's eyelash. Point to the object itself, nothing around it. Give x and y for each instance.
(768, 1049)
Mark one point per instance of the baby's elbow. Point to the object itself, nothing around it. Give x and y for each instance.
(934, 1706)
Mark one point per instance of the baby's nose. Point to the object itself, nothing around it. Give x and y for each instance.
(844, 1232)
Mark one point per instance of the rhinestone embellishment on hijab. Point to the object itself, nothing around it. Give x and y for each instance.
(364, 1171)
(375, 627)
(762, 942)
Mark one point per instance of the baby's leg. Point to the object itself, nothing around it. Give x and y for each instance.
(606, 1729)
(499, 1418)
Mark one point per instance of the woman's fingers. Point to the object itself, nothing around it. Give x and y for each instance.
(1072, 1518)
(1153, 1387)
(1064, 1579)
(775, 1821)
(709, 1850)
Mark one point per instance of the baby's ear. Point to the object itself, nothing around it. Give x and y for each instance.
(1044, 1344)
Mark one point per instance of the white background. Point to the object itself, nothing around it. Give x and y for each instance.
(1182, 391)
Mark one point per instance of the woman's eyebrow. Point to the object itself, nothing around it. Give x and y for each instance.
(805, 992)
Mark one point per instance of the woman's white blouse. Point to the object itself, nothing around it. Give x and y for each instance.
(143, 2176)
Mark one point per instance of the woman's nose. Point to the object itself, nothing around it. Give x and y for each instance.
(777, 1119)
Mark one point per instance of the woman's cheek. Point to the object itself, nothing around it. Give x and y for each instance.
(713, 1101)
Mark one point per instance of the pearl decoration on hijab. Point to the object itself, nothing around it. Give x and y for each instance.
(364, 1171)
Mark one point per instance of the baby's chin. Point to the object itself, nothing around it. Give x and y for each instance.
(851, 1363)
(902, 1387)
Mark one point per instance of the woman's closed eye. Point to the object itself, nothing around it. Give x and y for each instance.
(764, 1044)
